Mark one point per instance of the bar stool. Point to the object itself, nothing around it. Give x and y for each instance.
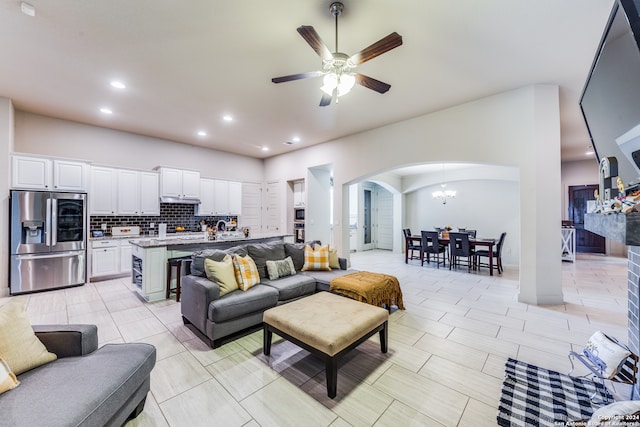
(174, 262)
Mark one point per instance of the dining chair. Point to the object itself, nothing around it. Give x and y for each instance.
(497, 255)
(431, 246)
(459, 246)
(411, 246)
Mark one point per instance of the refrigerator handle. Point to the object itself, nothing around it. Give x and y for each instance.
(47, 224)
(54, 222)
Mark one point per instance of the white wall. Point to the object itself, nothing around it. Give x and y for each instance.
(490, 207)
(519, 127)
(6, 146)
(38, 134)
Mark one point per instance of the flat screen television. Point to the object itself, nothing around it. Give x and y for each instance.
(610, 101)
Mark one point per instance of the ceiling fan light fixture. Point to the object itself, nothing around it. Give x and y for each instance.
(343, 82)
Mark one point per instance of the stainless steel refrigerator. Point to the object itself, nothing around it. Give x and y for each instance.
(48, 240)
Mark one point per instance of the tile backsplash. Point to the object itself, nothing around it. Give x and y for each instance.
(173, 214)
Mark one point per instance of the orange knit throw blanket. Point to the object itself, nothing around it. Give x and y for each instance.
(372, 288)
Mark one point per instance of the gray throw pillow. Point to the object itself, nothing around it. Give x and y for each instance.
(296, 252)
(281, 268)
(261, 252)
(197, 258)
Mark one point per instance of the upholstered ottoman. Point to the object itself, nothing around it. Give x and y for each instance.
(328, 326)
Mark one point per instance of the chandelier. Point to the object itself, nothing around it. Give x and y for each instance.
(443, 194)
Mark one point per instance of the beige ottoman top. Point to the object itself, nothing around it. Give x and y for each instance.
(326, 321)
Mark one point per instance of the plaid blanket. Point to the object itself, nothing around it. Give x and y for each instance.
(533, 396)
(372, 288)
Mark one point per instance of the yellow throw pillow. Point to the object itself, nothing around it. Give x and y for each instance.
(246, 268)
(316, 260)
(334, 262)
(19, 346)
(222, 273)
(8, 379)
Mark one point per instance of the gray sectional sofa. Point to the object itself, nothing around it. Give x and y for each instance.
(85, 386)
(220, 319)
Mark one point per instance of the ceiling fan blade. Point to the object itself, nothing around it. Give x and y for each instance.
(326, 100)
(371, 83)
(296, 77)
(311, 36)
(392, 41)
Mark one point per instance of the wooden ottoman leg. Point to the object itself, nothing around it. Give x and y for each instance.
(332, 376)
(384, 337)
(266, 340)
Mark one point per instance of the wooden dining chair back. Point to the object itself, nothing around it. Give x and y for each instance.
(460, 247)
(497, 255)
(431, 246)
(411, 246)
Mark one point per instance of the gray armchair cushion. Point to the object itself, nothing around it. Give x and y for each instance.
(261, 252)
(68, 340)
(239, 303)
(79, 391)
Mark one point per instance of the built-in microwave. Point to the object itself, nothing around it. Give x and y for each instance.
(299, 214)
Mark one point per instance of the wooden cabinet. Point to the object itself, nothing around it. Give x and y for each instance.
(138, 193)
(42, 173)
(178, 183)
(207, 202)
(103, 195)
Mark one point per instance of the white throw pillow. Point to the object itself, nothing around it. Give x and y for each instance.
(617, 414)
(605, 353)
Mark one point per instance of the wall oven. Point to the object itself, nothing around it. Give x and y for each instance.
(299, 214)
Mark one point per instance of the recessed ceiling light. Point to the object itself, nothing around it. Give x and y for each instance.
(296, 139)
(265, 148)
(106, 111)
(202, 133)
(227, 118)
(589, 153)
(117, 84)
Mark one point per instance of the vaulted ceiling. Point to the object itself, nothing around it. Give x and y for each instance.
(187, 64)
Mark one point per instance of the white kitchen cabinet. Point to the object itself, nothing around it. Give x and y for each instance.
(128, 192)
(125, 256)
(149, 193)
(42, 173)
(105, 257)
(70, 176)
(235, 198)
(207, 202)
(149, 270)
(227, 197)
(298, 194)
(221, 197)
(138, 193)
(103, 196)
(190, 184)
(178, 183)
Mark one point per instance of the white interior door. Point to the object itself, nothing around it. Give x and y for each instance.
(272, 204)
(384, 219)
(251, 206)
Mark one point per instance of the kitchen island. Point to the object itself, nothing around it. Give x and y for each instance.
(149, 257)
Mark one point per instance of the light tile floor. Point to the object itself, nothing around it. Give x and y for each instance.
(444, 366)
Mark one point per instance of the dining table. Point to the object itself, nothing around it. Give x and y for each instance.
(487, 242)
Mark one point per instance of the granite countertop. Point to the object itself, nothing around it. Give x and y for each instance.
(178, 241)
(110, 237)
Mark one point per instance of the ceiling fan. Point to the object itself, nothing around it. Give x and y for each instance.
(337, 67)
